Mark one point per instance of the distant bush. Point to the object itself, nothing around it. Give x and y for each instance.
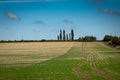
(107, 38)
(43, 40)
(87, 38)
(113, 40)
(2, 40)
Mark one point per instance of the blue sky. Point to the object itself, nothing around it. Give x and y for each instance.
(42, 19)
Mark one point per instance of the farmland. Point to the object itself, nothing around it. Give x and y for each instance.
(59, 61)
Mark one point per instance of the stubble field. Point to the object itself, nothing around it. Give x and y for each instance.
(59, 61)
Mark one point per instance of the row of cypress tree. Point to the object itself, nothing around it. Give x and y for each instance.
(63, 36)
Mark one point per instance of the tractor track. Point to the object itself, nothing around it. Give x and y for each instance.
(81, 74)
(94, 59)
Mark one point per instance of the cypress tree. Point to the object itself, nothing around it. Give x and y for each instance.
(64, 35)
(60, 35)
(72, 34)
(69, 36)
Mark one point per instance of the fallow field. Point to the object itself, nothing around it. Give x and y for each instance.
(59, 61)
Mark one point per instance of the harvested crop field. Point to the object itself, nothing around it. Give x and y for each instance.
(59, 61)
(14, 53)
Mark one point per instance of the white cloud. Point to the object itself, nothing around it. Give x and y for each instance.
(117, 13)
(39, 22)
(36, 30)
(12, 16)
(69, 22)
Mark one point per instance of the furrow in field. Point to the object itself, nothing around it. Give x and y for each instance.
(97, 61)
(85, 60)
(100, 72)
(94, 59)
(81, 74)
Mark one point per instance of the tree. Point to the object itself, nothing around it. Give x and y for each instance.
(90, 38)
(107, 38)
(64, 35)
(60, 35)
(118, 42)
(87, 38)
(72, 34)
(69, 36)
(43, 40)
(115, 40)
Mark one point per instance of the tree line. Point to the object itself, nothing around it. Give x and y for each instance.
(63, 36)
(113, 40)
